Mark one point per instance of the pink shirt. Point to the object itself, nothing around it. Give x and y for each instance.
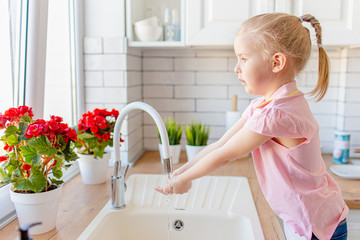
(294, 180)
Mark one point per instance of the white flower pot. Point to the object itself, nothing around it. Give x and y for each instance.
(175, 151)
(191, 151)
(37, 207)
(93, 171)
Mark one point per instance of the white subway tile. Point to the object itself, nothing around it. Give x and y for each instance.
(105, 62)
(158, 91)
(207, 118)
(92, 106)
(156, 64)
(134, 94)
(111, 106)
(133, 78)
(176, 78)
(335, 65)
(217, 78)
(340, 122)
(134, 63)
(151, 144)
(332, 94)
(94, 79)
(201, 64)
(150, 131)
(136, 151)
(352, 109)
(105, 95)
(352, 124)
(326, 134)
(135, 122)
(240, 92)
(352, 94)
(169, 53)
(114, 45)
(215, 52)
(354, 52)
(171, 104)
(326, 121)
(135, 137)
(200, 92)
(216, 132)
(219, 105)
(323, 107)
(353, 65)
(353, 80)
(147, 119)
(93, 45)
(114, 78)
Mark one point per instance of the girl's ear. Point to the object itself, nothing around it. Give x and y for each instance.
(278, 62)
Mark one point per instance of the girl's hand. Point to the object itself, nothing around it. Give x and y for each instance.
(176, 185)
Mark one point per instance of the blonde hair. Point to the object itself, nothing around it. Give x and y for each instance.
(281, 32)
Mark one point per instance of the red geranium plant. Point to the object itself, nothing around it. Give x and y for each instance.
(37, 151)
(95, 131)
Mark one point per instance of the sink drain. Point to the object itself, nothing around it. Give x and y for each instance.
(178, 225)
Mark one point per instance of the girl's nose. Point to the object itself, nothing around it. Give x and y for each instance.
(237, 68)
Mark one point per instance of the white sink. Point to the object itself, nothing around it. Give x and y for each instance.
(215, 208)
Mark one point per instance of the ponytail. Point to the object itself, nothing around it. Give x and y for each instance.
(324, 63)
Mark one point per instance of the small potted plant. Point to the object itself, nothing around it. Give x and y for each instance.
(95, 133)
(174, 131)
(197, 135)
(37, 152)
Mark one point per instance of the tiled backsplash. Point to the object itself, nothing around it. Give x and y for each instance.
(197, 83)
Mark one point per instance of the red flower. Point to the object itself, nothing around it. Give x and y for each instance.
(26, 167)
(71, 135)
(12, 112)
(105, 136)
(56, 118)
(3, 158)
(94, 129)
(3, 120)
(53, 125)
(8, 148)
(36, 129)
(25, 110)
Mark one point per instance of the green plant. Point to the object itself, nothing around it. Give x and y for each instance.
(95, 131)
(37, 151)
(174, 131)
(197, 134)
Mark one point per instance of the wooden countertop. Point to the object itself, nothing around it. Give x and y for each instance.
(80, 203)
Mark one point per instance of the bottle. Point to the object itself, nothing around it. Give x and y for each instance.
(24, 231)
(175, 21)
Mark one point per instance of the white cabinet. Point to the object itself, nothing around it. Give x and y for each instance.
(215, 22)
(340, 19)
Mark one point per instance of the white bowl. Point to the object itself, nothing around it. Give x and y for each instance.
(151, 21)
(148, 33)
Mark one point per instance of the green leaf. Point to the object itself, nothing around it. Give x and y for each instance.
(37, 180)
(26, 118)
(12, 140)
(56, 182)
(43, 146)
(30, 155)
(10, 130)
(23, 127)
(23, 184)
(85, 135)
(3, 176)
(57, 173)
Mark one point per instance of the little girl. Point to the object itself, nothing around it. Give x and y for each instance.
(279, 129)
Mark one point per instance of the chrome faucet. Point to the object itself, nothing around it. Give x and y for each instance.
(118, 186)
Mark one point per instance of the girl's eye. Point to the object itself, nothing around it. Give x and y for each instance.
(244, 59)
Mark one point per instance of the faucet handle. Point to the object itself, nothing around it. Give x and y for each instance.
(167, 163)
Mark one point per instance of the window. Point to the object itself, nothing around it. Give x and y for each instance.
(63, 75)
(13, 26)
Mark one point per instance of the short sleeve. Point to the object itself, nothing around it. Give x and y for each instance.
(273, 122)
(247, 113)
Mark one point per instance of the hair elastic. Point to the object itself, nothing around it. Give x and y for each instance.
(301, 20)
(320, 45)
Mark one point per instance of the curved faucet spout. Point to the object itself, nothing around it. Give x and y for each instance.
(159, 123)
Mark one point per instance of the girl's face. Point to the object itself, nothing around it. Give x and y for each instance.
(252, 68)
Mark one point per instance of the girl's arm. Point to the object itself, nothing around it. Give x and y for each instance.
(242, 142)
(231, 132)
